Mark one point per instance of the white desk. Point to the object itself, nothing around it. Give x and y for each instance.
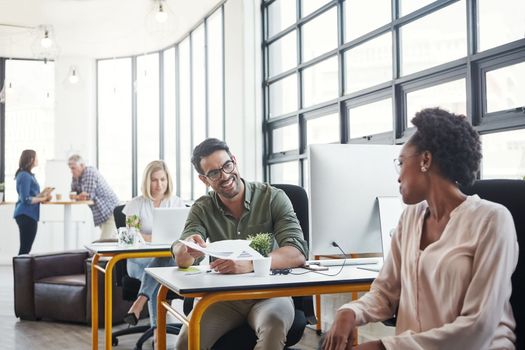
(213, 287)
(115, 254)
(69, 241)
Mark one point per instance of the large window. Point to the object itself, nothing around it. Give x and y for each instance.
(27, 117)
(356, 71)
(114, 124)
(159, 106)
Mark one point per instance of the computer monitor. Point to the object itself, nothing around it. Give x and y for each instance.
(390, 210)
(344, 182)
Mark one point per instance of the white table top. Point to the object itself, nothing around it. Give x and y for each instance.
(68, 202)
(111, 247)
(197, 279)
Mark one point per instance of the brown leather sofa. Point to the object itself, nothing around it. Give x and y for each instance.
(57, 286)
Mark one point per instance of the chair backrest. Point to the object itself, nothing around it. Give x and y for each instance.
(299, 199)
(511, 194)
(130, 287)
(118, 215)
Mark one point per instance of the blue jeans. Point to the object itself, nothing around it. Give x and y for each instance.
(148, 285)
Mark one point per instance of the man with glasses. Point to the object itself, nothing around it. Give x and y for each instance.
(235, 209)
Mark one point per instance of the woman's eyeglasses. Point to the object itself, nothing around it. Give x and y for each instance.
(398, 162)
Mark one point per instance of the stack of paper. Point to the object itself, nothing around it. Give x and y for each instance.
(233, 249)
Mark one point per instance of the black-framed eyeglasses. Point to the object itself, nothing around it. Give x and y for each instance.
(227, 168)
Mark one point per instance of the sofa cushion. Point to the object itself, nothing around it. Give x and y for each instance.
(73, 280)
(61, 301)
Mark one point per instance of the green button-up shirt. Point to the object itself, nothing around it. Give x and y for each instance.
(267, 209)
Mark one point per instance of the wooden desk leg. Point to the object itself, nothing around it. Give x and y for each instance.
(161, 318)
(94, 302)
(108, 302)
(318, 327)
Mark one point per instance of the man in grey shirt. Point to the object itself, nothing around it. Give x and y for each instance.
(236, 209)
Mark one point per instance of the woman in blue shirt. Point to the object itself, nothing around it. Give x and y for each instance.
(27, 208)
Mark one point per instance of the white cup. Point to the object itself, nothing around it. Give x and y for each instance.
(126, 236)
(262, 266)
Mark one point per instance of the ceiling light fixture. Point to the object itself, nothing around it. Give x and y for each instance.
(44, 45)
(73, 75)
(46, 42)
(161, 16)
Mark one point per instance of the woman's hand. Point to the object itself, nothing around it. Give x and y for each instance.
(340, 335)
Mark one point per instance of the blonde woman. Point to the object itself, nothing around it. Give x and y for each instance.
(157, 192)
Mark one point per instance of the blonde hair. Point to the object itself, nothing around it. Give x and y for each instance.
(151, 168)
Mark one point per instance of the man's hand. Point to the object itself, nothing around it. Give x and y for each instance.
(340, 335)
(83, 196)
(184, 255)
(232, 266)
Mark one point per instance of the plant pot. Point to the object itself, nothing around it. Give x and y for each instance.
(262, 266)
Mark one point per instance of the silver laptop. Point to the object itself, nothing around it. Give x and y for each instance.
(168, 224)
(390, 209)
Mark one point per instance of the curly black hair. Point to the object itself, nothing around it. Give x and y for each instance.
(204, 149)
(453, 142)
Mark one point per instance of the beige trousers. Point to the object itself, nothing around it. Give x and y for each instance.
(108, 228)
(270, 318)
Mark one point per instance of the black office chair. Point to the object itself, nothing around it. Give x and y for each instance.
(130, 287)
(511, 194)
(244, 337)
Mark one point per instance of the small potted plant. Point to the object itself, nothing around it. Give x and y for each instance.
(2, 188)
(128, 235)
(133, 221)
(263, 244)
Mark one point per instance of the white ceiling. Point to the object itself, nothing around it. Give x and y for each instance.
(96, 28)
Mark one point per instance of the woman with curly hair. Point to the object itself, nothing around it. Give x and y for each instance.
(449, 270)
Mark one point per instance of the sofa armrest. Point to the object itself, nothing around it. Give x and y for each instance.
(24, 287)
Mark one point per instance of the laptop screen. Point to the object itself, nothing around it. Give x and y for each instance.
(168, 224)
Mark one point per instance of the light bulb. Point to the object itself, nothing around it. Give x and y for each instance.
(161, 16)
(46, 42)
(73, 77)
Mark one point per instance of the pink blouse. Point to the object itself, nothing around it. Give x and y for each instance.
(455, 293)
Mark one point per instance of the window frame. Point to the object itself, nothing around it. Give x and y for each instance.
(472, 67)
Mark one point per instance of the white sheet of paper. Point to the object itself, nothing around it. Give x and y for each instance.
(234, 249)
